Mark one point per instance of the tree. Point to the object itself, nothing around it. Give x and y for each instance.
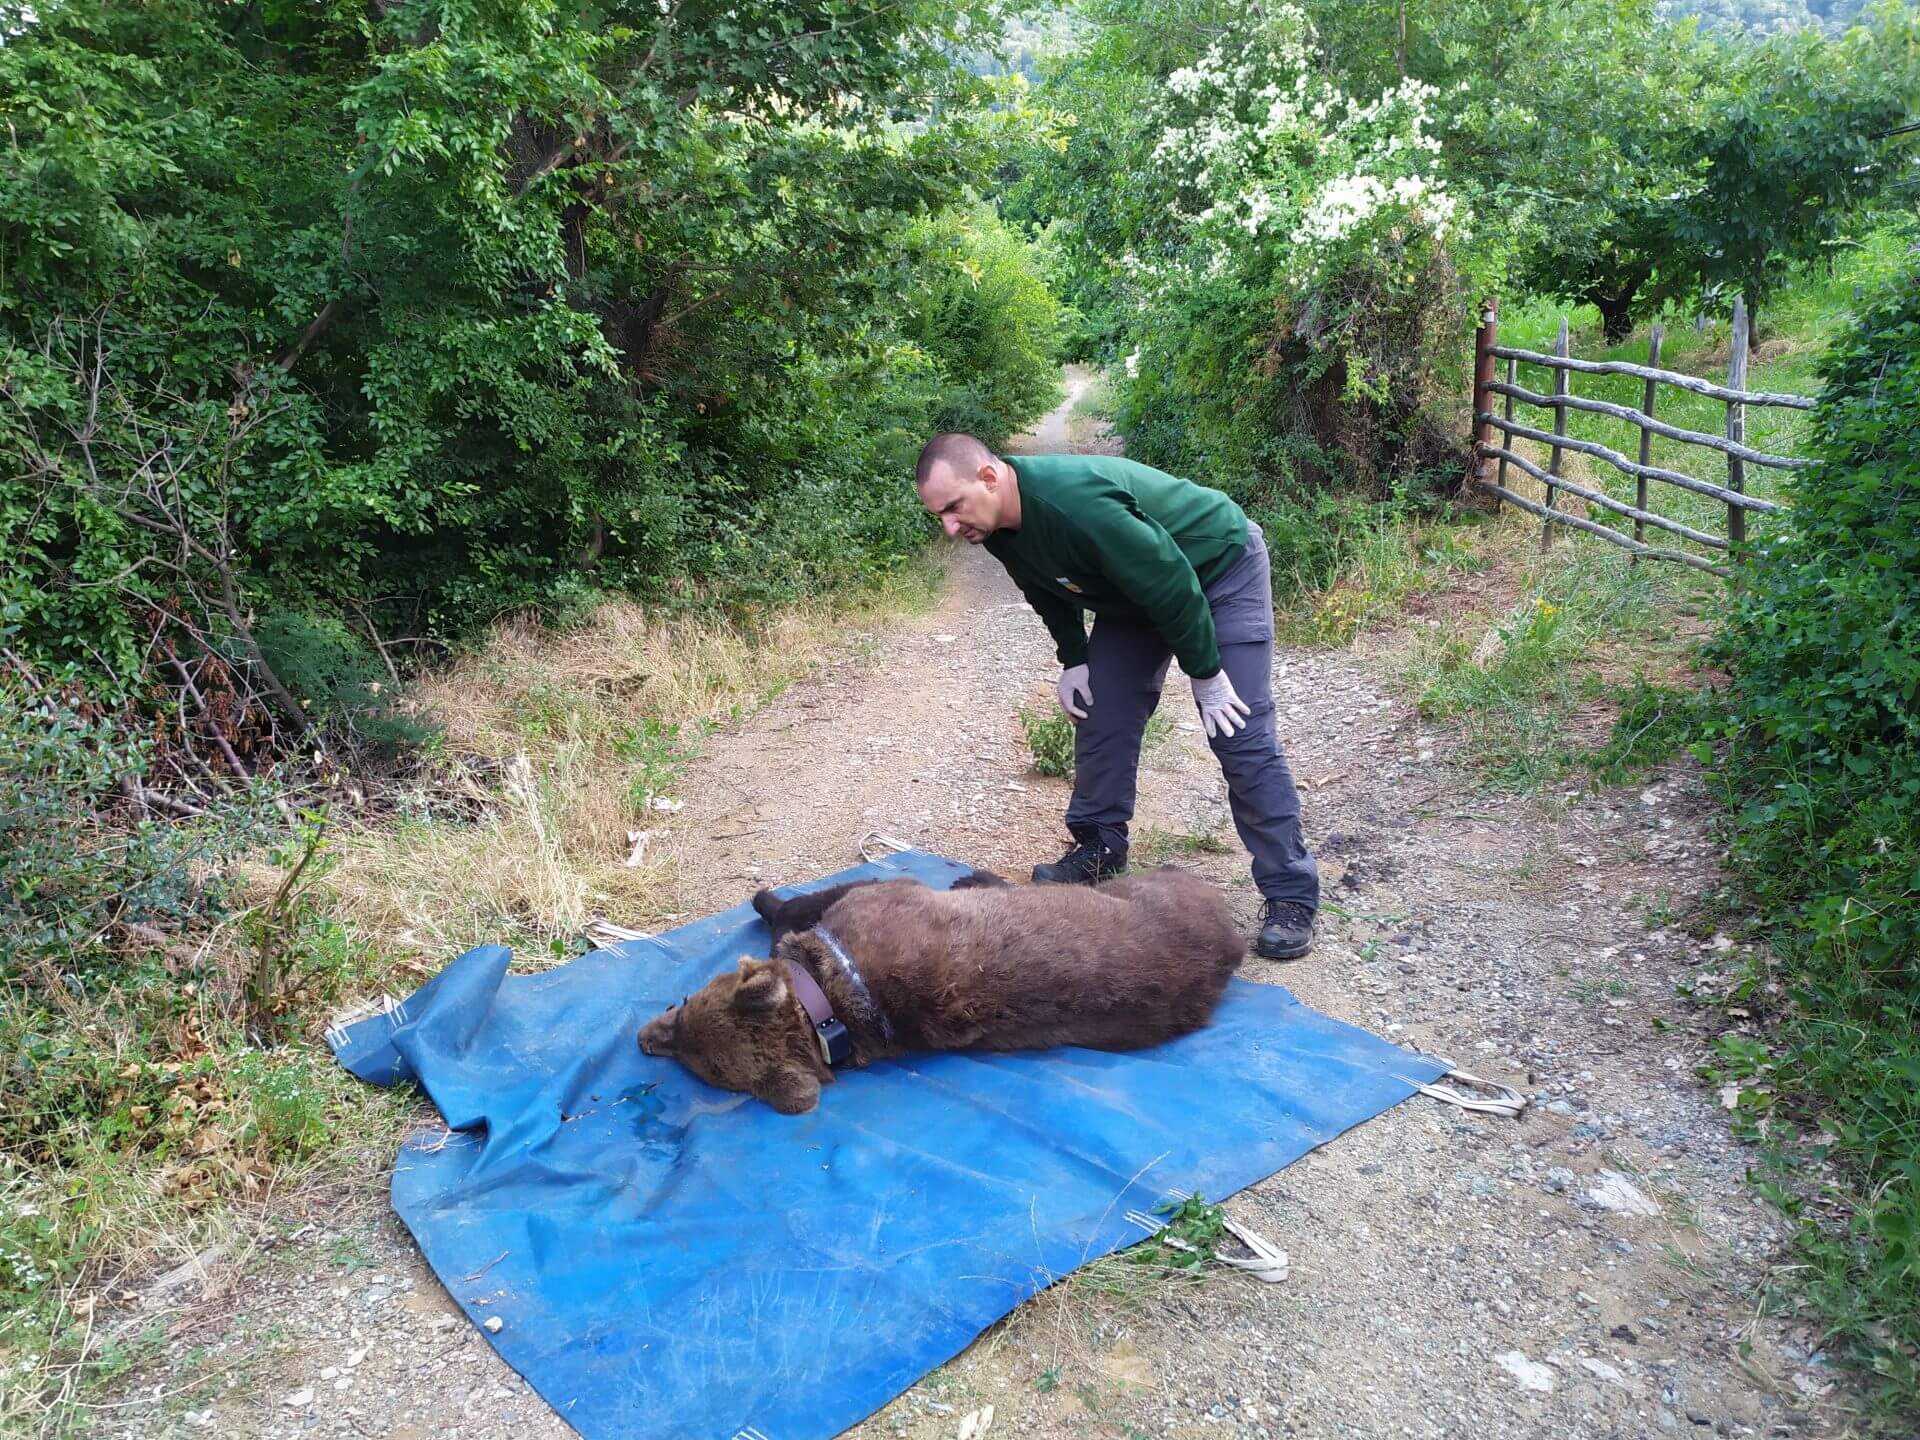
(1786, 154)
(427, 309)
(1628, 160)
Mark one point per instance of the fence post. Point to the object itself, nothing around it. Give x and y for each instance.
(1561, 386)
(1646, 438)
(1506, 437)
(1737, 421)
(1483, 344)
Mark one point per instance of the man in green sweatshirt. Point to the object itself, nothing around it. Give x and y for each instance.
(1169, 569)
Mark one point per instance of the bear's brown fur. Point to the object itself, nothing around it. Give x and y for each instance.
(1136, 961)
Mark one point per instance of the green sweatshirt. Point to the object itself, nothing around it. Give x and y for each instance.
(1121, 539)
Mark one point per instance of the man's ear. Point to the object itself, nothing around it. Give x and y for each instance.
(788, 1089)
(989, 474)
(762, 987)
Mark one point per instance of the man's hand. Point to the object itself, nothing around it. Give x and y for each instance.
(1221, 711)
(1073, 681)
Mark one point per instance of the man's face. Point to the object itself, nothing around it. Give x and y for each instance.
(968, 504)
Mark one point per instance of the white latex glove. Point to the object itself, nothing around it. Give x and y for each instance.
(1221, 711)
(1073, 681)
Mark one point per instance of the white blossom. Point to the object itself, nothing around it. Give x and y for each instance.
(1268, 158)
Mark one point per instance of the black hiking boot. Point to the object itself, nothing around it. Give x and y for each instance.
(1087, 863)
(1286, 931)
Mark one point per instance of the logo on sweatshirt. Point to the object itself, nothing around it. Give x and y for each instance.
(1064, 581)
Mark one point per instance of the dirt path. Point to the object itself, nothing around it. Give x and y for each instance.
(1452, 1275)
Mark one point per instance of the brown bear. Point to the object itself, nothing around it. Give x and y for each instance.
(872, 970)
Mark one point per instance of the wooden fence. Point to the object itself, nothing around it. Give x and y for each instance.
(1732, 444)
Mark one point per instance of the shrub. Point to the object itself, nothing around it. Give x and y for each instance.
(74, 876)
(1297, 308)
(989, 323)
(1822, 763)
(1049, 740)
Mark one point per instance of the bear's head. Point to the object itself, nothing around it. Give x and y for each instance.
(744, 1030)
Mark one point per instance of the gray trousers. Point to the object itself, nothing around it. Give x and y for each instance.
(1126, 667)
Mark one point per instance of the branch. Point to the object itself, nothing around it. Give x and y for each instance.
(553, 160)
(557, 157)
(315, 327)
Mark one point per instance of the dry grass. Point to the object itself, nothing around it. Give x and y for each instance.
(625, 663)
(592, 728)
(545, 857)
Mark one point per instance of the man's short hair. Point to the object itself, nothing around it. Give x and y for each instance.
(954, 448)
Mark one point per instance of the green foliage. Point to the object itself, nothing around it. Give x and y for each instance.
(1573, 153)
(329, 333)
(1275, 251)
(290, 1112)
(1772, 17)
(1312, 538)
(1088, 186)
(987, 320)
(1560, 123)
(1187, 1239)
(1049, 740)
(136, 979)
(1273, 395)
(70, 879)
(1624, 158)
(1822, 761)
(32, 1255)
(659, 752)
(1655, 723)
(387, 322)
(1786, 154)
(344, 684)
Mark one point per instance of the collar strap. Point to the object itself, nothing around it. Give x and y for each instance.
(835, 1043)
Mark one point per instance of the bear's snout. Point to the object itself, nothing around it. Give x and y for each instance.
(657, 1035)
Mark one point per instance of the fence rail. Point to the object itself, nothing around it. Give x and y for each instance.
(1665, 377)
(1658, 427)
(1732, 445)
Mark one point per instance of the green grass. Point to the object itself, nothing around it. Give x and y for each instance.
(1152, 846)
(1589, 989)
(1520, 684)
(1515, 683)
(1377, 564)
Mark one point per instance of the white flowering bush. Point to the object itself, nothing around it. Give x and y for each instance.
(1295, 295)
(1267, 158)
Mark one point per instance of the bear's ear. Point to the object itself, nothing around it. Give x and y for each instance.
(762, 988)
(788, 1089)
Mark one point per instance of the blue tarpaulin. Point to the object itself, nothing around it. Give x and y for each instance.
(669, 1260)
